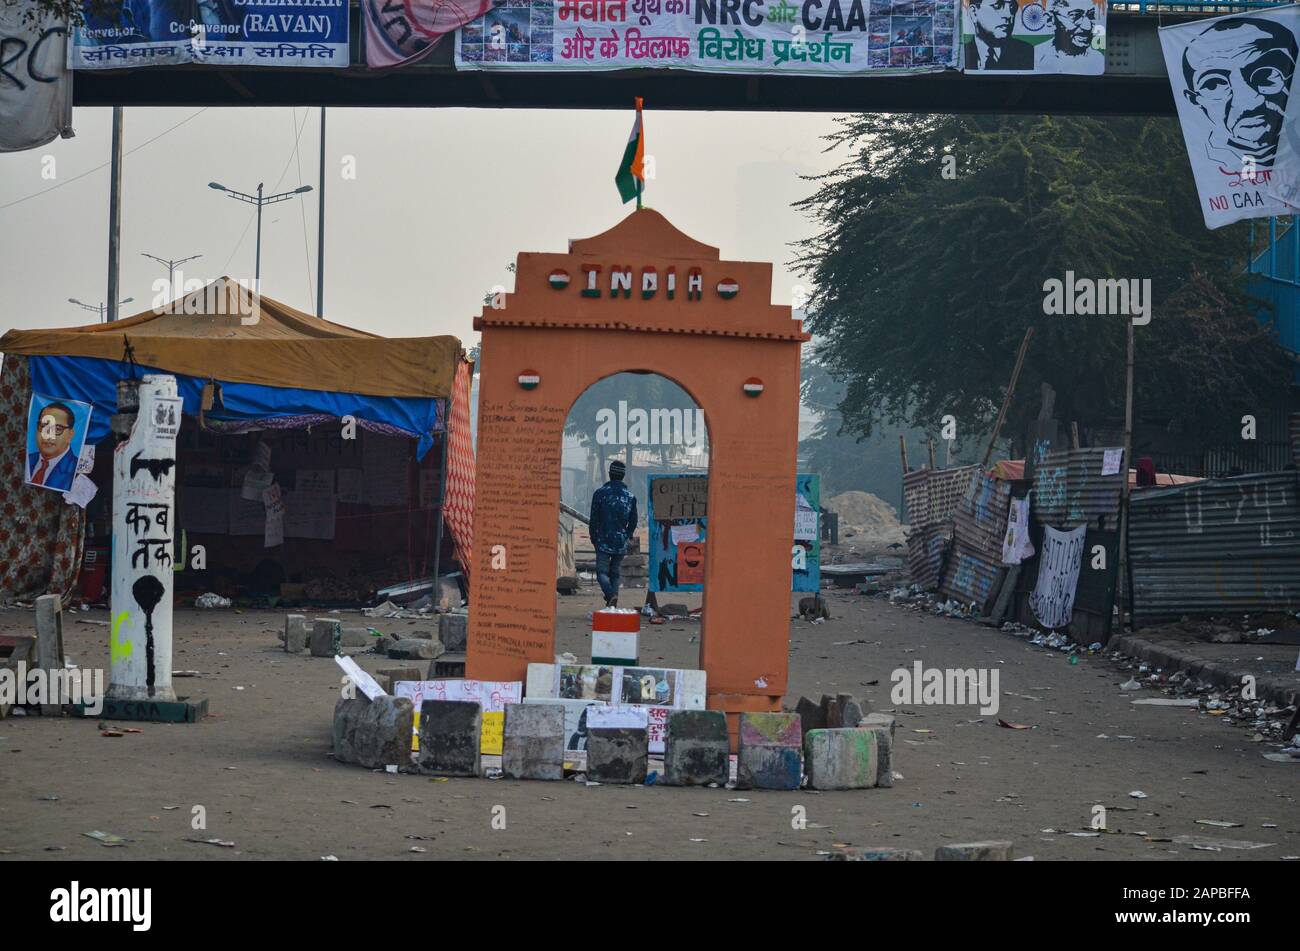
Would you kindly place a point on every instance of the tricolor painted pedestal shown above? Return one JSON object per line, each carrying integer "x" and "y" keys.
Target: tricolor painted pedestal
{"x": 614, "y": 636}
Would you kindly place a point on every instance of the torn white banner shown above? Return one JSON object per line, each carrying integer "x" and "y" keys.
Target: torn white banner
{"x": 1058, "y": 576}
{"x": 35, "y": 85}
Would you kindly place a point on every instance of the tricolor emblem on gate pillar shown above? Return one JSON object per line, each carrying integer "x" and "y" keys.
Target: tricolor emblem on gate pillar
{"x": 529, "y": 379}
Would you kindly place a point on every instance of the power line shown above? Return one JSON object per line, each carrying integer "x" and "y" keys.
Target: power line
{"x": 225, "y": 268}
{"x": 46, "y": 191}
{"x": 302, "y": 208}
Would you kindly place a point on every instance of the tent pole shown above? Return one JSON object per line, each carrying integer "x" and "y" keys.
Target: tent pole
{"x": 442, "y": 497}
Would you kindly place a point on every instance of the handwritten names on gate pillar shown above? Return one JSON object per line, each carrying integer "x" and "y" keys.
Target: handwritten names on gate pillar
{"x": 745, "y": 646}
{"x": 516, "y": 511}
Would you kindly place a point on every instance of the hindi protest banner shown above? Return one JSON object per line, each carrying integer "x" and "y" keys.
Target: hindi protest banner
{"x": 1034, "y": 36}
{"x": 1058, "y": 576}
{"x": 1231, "y": 78}
{"x": 297, "y": 33}
{"x": 792, "y": 37}
{"x": 35, "y": 86}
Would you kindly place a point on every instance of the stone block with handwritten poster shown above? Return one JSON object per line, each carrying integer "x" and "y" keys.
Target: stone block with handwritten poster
{"x": 534, "y": 742}
{"x": 449, "y": 737}
{"x": 492, "y": 696}
{"x": 575, "y": 727}
{"x": 617, "y": 744}
{"x": 657, "y": 688}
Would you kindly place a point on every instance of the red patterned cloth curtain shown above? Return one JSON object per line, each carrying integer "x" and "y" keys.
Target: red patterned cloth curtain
{"x": 41, "y": 536}
{"x": 459, "y": 501}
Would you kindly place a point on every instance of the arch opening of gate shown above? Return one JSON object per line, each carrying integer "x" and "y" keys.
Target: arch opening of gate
{"x": 640, "y": 297}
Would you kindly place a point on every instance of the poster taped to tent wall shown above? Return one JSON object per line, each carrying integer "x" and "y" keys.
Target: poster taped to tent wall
{"x": 56, "y": 434}
{"x": 1034, "y": 36}
{"x": 1231, "y": 78}
{"x": 1058, "y": 576}
{"x": 35, "y": 85}
{"x": 296, "y": 33}
{"x": 781, "y": 37}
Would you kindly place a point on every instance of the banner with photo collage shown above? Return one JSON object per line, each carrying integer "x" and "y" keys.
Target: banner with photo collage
{"x": 791, "y": 37}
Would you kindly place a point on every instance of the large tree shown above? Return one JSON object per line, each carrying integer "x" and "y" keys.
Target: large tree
{"x": 938, "y": 233}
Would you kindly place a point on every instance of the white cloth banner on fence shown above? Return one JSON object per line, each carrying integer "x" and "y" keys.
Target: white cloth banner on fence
{"x": 35, "y": 85}
{"x": 1058, "y": 576}
{"x": 1231, "y": 79}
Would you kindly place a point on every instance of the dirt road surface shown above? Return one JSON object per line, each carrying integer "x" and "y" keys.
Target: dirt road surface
{"x": 260, "y": 766}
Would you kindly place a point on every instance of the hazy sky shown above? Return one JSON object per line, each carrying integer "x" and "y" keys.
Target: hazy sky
{"x": 442, "y": 201}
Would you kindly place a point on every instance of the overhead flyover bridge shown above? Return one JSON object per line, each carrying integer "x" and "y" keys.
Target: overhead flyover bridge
{"x": 1134, "y": 82}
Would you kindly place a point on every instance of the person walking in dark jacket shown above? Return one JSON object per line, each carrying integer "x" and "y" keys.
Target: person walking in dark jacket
{"x": 613, "y": 520}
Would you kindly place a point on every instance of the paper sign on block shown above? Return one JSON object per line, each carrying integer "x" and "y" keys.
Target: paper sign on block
{"x": 363, "y": 680}
{"x": 492, "y": 697}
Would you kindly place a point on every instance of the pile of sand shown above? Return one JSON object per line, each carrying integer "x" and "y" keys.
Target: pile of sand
{"x": 867, "y": 517}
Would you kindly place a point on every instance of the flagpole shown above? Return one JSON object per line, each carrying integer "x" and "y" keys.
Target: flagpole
{"x": 639, "y": 185}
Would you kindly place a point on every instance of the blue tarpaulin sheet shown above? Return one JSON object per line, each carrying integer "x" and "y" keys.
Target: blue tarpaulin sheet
{"x": 95, "y": 381}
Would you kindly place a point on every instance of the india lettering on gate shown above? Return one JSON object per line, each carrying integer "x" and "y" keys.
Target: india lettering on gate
{"x": 618, "y": 281}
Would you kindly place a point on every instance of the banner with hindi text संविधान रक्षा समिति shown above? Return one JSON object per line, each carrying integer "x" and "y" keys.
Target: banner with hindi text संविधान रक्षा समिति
{"x": 1034, "y": 37}
{"x": 792, "y": 37}
{"x": 1231, "y": 79}
{"x": 135, "y": 33}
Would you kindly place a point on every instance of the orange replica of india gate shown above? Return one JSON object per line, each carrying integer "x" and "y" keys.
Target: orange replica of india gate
{"x": 642, "y": 296}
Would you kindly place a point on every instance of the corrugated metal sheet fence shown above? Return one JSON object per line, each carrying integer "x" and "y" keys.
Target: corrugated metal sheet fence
{"x": 1070, "y": 490}
{"x": 931, "y": 497}
{"x": 1222, "y": 546}
{"x": 971, "y": 571}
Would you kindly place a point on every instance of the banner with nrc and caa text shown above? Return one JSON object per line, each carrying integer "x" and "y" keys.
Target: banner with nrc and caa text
{"x": 793, "y": 37}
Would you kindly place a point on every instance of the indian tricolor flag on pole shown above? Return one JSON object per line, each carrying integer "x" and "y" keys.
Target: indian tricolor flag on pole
{"x": 631, "y": 171}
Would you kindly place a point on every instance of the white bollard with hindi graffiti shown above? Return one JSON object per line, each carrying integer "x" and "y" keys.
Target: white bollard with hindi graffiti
{"x": 144, "y": 485}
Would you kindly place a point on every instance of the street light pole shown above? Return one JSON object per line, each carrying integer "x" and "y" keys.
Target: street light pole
{"x": 114, "y": 211}
{"x": 320, "y": 236}
{"x": 98, "y": 308}
{"x": 170, "y": 265}
{"x": 259, "y": 200}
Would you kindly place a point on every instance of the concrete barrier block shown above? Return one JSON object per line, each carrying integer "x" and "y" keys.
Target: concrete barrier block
{"x": 449, "y": 737}
{"x": 373, "y": 733}
{"x": 843, "y": 758}
{"x": 533, "y": 743}
{"x": 975, "y": 852}
{"x": 326, "y": 637}
{"x": 769, "y": 751}
{"x": 696, "y": 748}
